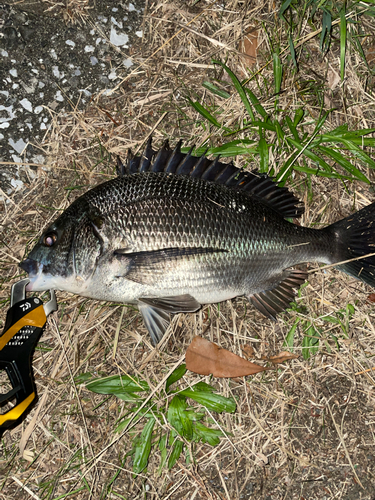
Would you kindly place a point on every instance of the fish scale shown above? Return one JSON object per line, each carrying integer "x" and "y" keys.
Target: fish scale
{"x": 175, "y": 231}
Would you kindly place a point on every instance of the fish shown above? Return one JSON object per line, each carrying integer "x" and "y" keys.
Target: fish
{"x": 173, "y": 231}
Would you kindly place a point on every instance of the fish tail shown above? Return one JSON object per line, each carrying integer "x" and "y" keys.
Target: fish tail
{"x": 355, "y": 238}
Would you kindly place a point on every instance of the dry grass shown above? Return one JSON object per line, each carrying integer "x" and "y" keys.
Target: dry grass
{"x": 305, "y": 430}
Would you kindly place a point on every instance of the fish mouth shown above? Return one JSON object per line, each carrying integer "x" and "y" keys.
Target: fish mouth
{"x": 34, "y": 270}
{"x": 30, "y": 266}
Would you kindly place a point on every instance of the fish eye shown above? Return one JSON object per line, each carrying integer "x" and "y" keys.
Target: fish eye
{"x": 49, "y": 239}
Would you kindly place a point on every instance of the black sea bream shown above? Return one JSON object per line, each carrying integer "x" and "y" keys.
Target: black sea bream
{"x": 174, "y": 231}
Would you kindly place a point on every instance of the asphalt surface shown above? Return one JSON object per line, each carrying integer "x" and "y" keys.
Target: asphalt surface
{"x": 48, "y": 64}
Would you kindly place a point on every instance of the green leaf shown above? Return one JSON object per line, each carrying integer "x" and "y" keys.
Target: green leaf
{"x": 122, "y": 425}
{"x": 194, "y": 416}
{"x": 177, "y": 374}
{"x": 331, "y": 319}
{"x": 238, "y": 87}
{"x": 206, "y": 435}
{"x": 163, "y": 452}
{"x": 310, "y": 342}
{"x": 343, "y": 35}
{"x": 82, "y": 377}
{"x": 176, "y": 406}
{"x": 119, "y": 385}
{"x": 215, "y": 90}
{"x": 178, "y": 418}
{"x": 176, "y": 452}
{"x": 143, "y": 447}
{"x": 289, "y": 339}
{"x": 213, "y": 402}
{"x": 203, "y": 387}
{"x": 299, "y": 114}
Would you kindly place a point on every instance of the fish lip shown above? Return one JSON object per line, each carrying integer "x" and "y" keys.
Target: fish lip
{"x": 33, "y": 269}
{"x": 31, "y": 266}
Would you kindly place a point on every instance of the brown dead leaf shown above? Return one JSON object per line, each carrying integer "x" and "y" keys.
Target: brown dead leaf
{"x": 333, "y": 79}
{"x": 371, "y": 297}
{"x": 207, "y": 358}
{"x": 281, "y": 357}
{"x": 248, "y": 351}
{"x": 249, "y": 46}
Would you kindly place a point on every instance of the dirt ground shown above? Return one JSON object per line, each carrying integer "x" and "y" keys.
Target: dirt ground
{"x": 303, "y": 430}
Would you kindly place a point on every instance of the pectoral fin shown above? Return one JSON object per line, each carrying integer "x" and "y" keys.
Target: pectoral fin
{"x": 148, "y": 267}
{"x": 156, "y": 311}
{"x": 156, "y": 321}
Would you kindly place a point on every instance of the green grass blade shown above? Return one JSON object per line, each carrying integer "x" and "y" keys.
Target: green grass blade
{"x": 344, "y": 163}
{"x": 143, "y": 447}
{"x": 255, "y": 102}
{"x": 266, "y": 125}
{"x": 292, "y": 50}
{"x": 238, "y": 87}
{"x": 321, "y": 122}
{"x": 277, "y": 72}
{"x": 321, "y": 173}
{"x": 357, "y": 137}
{"x": 233, "y": 148}
{"x": 359, "y": 153}
{"x": 284, "y": 6}
{"x": 215, "y": 90}
{"x": 292, "y": 128}
{"x": 264, "y": 156}
{"x": 206, "y": 114}
{"x": 325, "y": 37}
{"x": 279, "y": 132}
{"x": 343, "y": 35}
{"x": 307, "y": 152}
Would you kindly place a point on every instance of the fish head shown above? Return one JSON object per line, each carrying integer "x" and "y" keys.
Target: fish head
{"x": 66, "y": 254}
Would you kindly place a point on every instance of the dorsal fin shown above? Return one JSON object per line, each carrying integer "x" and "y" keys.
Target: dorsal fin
{"x": 253, "y": 183}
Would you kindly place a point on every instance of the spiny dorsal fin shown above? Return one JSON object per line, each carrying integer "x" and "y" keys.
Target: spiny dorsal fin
{"x": 175, "y": 162}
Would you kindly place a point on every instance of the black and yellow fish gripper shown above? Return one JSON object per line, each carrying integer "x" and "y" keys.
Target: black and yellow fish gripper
{"x": 24, "y": 325}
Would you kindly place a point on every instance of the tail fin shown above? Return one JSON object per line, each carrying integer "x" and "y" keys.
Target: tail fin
{"x": 355, "y": 237}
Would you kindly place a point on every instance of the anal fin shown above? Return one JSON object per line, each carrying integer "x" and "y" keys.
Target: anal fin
{"x": 271, "y": 302}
